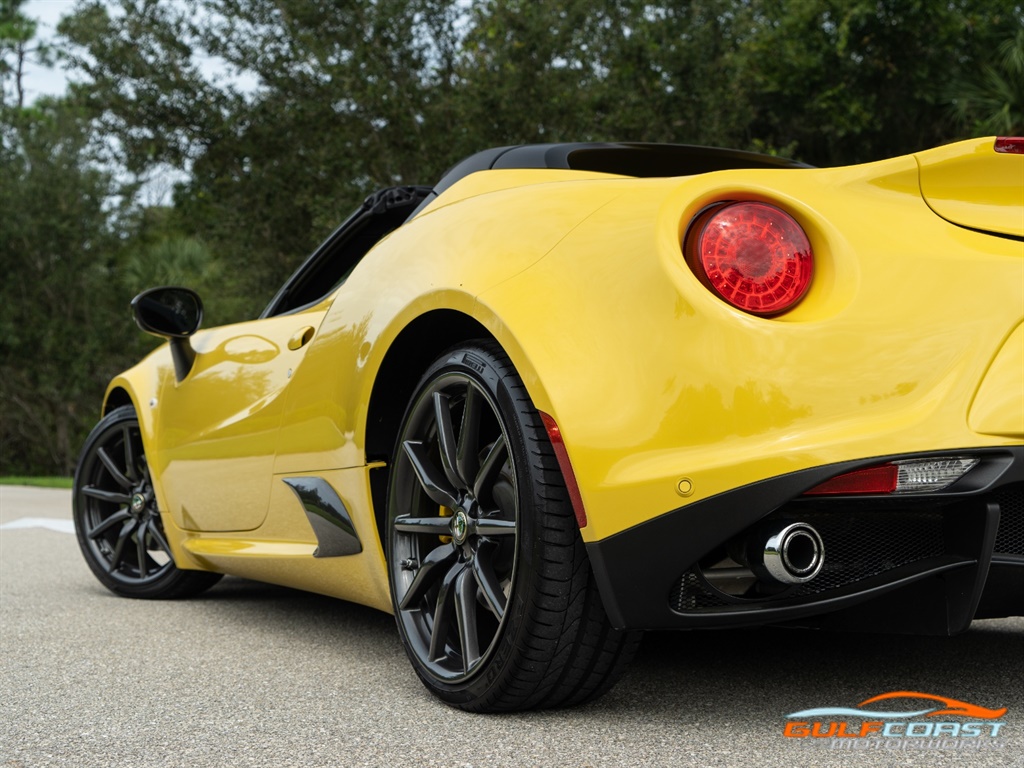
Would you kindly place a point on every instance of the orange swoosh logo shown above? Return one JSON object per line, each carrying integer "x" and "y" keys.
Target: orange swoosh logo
{"x": 952, "y": 706}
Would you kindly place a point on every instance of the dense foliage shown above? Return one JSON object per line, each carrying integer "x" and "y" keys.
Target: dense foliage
{"x": 278, "y": 116}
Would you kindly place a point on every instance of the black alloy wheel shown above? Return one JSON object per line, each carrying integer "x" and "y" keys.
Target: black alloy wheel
{"x": 117, "y": 520}
{"x": 490, "y": 584}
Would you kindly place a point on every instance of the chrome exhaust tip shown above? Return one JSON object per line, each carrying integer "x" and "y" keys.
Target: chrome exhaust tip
{"x": 794, "y": 554}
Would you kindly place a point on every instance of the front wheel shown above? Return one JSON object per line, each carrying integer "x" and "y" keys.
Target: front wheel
{"x": 116, "y": 517}
{"x": 492, "y": 591}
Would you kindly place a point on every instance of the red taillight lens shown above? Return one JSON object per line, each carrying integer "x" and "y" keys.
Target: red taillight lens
{"x": 753, "y": 255}
{"x": 872, "y": 480}
{"x": 1011, "y": 145}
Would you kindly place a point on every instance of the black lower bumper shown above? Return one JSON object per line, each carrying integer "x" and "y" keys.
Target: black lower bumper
{"x": 920, "y": 563}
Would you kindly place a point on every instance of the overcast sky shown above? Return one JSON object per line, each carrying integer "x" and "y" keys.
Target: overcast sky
{"x": 40, "y": 81}
{"x": 44, "y": 81}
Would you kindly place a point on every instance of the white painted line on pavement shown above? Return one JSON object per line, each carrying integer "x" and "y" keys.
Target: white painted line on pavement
{"x": 50, "y": 523}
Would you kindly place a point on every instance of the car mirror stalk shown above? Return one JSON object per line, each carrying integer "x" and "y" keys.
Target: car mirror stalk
{"x": 183, "y": 356}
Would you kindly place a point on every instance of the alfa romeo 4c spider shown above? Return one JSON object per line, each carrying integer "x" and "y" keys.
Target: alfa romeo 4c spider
{"x": 571, "y": 392}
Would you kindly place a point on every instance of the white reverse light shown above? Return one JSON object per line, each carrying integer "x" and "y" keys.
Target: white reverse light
{"x": 923, "y": 475}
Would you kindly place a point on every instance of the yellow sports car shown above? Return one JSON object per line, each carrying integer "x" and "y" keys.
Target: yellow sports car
{"x": 574, "y": 391}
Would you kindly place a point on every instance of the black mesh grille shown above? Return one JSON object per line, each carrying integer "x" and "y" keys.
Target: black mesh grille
{"x": 1010, "y": 537}
{"x": 866, "y": 545}
{"x": 691, "y": 593}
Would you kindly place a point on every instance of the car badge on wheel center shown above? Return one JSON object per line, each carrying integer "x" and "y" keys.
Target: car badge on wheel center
{"x": 460, "y": 527}
{"x": 138, "y": 503}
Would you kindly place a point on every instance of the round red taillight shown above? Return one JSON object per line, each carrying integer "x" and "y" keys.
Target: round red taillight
{"x": 753, "y": 255}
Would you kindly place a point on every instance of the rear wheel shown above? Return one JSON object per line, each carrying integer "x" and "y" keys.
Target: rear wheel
{"x": 491, "y": 587}
{"x": 117, "y": 520}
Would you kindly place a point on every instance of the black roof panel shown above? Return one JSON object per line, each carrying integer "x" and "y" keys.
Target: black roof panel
{"x": 620, "y": 158}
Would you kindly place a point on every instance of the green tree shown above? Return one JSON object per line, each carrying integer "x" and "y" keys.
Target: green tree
{"x": 602, "y": 70}
{"x": 844, "y": 81}
{"x": 63, "y": 326}
{"x": 672, "y": 73}
{"x": 991, "y": 100}
{"x": 17, "y": 48}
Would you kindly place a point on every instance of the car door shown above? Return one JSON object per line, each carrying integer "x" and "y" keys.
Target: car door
{"x": 219, "y": 425}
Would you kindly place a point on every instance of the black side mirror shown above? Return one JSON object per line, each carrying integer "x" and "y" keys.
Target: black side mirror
{"x": 174, "y": 314}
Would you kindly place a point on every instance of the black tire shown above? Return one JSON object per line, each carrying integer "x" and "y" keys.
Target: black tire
{"x": 117, "y": 521}
{"x": 490, "y": 583}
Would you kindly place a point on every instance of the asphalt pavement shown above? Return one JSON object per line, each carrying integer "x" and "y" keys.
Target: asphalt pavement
{"x": 257, "y": 675}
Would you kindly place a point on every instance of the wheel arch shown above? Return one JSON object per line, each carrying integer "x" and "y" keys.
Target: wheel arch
{"x": 117, "y": 397}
